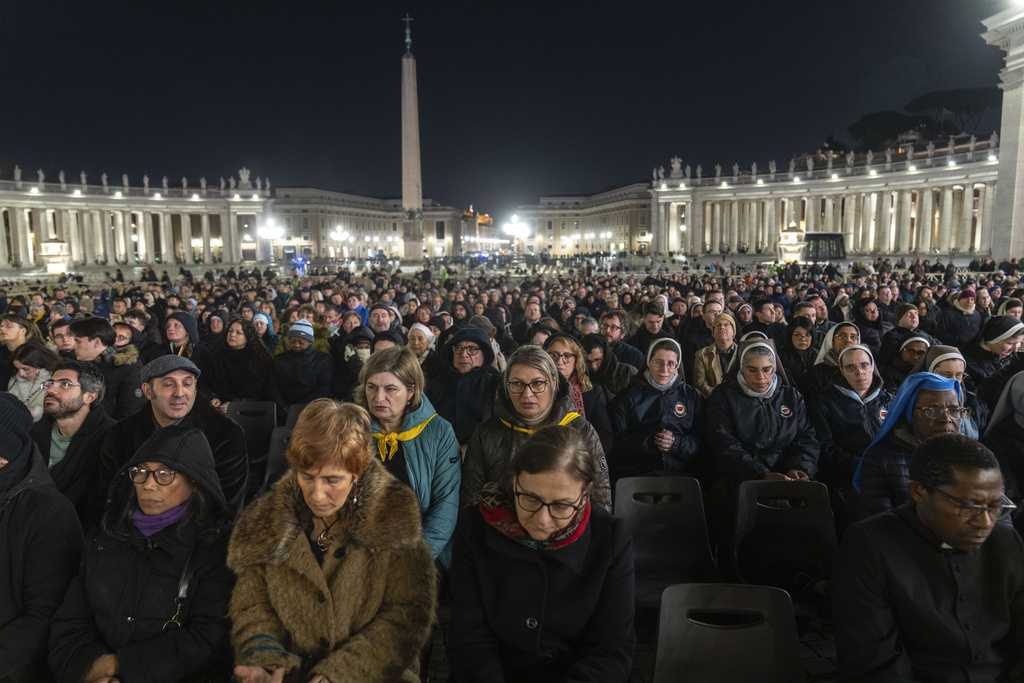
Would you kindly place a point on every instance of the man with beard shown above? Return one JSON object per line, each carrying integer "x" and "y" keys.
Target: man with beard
{"x": 68, "y": 436}
{"x": 169, "y": 384}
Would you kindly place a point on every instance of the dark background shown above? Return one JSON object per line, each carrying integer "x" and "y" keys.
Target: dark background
{"x": 515, "y": 101}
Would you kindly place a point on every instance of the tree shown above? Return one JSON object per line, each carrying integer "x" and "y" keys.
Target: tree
{"x": 964, "y": 107}
{"x": 881, "y": 128}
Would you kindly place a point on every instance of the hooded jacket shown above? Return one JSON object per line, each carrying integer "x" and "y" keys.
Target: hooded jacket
{"x": 39, "y": 555}
{"x": 496, "y": 440}
{"x": 122, "y": 394}
{"x": 367, "y": 620}
{"x": 956, "y": 327}
{"x": 466, "y": 400}
{"x": 303, "y": 376}
{"x": 126, "y": 590}
{"x": 614, "y": 375}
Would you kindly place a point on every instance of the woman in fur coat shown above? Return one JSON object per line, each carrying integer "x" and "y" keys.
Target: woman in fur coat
{"x": 335, "y": 582}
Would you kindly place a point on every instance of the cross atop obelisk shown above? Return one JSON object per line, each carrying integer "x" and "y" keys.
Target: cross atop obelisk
{"x": 408, "y": 32}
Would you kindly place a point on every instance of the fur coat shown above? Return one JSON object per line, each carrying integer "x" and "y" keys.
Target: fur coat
{"x": 369, "y": 620}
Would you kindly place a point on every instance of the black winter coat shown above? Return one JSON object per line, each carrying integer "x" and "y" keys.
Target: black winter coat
{"x": 844, "y": 427}
{"x": 885, "y": 474}
{"x": 521, "y": 615}
{"x": 629, "y": 354}
{"x": 982, "y": 365}
{"x": 958, "y": 329}
{"x": 465, "y": 400}
{"x": 642, "y": 339}
{"x": 749, "y": 437}
{"x": 1006, "y": 440}
{"x": 77, "y": 475}
{"x": 303, "y": 376}
{"x": 40, "y": 546}
{"x": 224, "y": 435}
{"x": 122, "y": 394}
{"x": 239, "y": 375}
{"x": 643, "y": 410}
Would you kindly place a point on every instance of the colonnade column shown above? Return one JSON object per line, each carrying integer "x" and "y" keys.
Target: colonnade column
{"x": 207, "y": 249}
{"x": 226, "y": 236}
{"x": 904, "y": 222}
{"x": 925, "y": 221}
{"x": 5, "y": 255}
{"x": 946, "y": 219}
{"x": 829, "y": 224}
{"x": 848, "y": 215}
{"x": 186, "y": 239}
{"x": 985, "y": 224}
{"x": 963, "y": 240}
{"x": 772, "y": 225}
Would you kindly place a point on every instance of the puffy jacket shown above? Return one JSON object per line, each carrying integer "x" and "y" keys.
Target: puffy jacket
{"x": 750, "y": 437}
{"x": 40, "y": 547}
{"x": 629, "y": 354}
{"x": 303, "y": 376}
{"x": 465, "y": 400}
{"x": 496, "y": 440}
{"x": 122, "y": 394}
{"x": 434, "y": 468}
{"x": 845, "y": 424}
{"x": 643, "y": 410}
{"x": 126, "y": 590}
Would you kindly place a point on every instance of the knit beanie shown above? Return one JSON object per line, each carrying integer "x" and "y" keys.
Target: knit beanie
{"x": 902, "y": 310}
{"x": 1000, "y": 328}
{"x": 302, "y": 329}
{"x": 188, "y": 322}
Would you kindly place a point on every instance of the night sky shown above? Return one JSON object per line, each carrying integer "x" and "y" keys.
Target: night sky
{"x": 515, "y": 101}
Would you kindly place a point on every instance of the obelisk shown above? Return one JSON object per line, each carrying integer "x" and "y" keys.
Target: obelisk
{"x": 412, "y": 183}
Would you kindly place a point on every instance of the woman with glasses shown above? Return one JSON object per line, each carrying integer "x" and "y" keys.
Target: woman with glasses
{"x": 533, "y": 394}
{"x": 1005, "y": 436}
{"x": 542, "y": 579}
{"x": 464, "y": 388}
{"x": 656, "y": 420}
{"x": 589, "y": 400}
{"x": 926, "y": 405}
{"x": 150, "y": 600}
{"x": 950, "y": 363}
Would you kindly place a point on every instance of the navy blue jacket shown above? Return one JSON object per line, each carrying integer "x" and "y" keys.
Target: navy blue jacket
{"x": 642, "y": 410}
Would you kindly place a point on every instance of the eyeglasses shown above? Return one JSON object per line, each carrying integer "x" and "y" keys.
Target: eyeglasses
{"x": 466, "y": 350}
{"x": 970, "y": 511}
{"x": 939, "y": 412}
{"x": 64, "y": 384}
{"x": 666, "y": 364}
{"x": 559, "y": 357}
{"x": 608, "y": 326}
{"x": 139, "y": 475}
{"x": 532, "y": 504}
{"x": 537, "y": 386}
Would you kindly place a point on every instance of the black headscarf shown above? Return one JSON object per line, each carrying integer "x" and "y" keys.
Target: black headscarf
{"x": 15, "y": 441}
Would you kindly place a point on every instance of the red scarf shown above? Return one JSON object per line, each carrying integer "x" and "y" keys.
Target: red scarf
{"x": 503, "y": 519}
{"x": 576, "y": 391}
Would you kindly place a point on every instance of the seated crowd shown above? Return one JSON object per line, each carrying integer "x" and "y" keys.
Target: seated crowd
{"x": 461, "y": 442}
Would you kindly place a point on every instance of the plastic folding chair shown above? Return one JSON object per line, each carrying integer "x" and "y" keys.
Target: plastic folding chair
{"x": 727, "y": 633}
{"x": 665, "y": 516}
{"x": 257, "y": 420}
{"x": 293, "y": 414}
{"x": 276, "y": 463}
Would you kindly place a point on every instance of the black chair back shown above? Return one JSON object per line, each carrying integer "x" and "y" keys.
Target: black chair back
{"x": 257, "y": 420}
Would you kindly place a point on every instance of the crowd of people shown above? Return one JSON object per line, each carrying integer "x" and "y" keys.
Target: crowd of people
{"x": 460, "y": 441}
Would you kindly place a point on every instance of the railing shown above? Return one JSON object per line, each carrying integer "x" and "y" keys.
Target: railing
{"x": 76, "y": 190}
{"x": 918, "y": 162}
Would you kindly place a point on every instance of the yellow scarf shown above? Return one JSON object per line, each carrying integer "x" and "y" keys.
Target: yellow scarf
{"x": 387, "y": 444}
{"x": 569, "y": 417}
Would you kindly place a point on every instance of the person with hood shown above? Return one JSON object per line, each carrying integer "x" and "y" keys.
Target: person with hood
{"x": 150, "y": 598}
{"x": 33, "y": 365}
{"x": 826, "y": 365}
{"x": 604, "y": 368}
{"x": 421, "y": 343}
{"x": 302, "y": 374}
{"x": 349, "y": 353}
{"x": 242, "y": 369}
{"x": 264, "y": 327}
{"x": 759, "y": 427}
{"x": 15, "y": 332}
{"x": 798, "y": 352}
{"x": 181, "y": 338}
{"x": 94, "y": 343}
{"x": 868, "y": 318}
{"x": 910, "y": 352}
{"x": 949, "y": 362}
{"x": 926, "y": 405}
{"x": 464, "y": 391}
{"x": 847, "y": 417}
{"x": 987, "y": 355}
{"x": 589, "y": 400}
{"x": 170, "y": 385}
{"x": 1011, "y": 306}
{"x": 959, "y": 323}
{"x": 711, "y": 361}
{"x": 40, "y": 548}
{"x": 335, "y": 582}
{"x": 656, "y": 421}
{"x": 1005, "y": 436}
{"x": 415, "y": 444}
{"x": 841, "y": 310}
{"x": 537, "y": 552}
{"x": 533, "y": 394}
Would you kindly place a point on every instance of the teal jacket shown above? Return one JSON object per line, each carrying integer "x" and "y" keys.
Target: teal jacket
{"x": 435, "y": 473}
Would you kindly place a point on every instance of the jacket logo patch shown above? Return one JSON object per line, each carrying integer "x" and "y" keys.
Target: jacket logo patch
{"x": 786, "y": 411}
{"x": 882, "y": 414}
{"x": 680, "y": 409}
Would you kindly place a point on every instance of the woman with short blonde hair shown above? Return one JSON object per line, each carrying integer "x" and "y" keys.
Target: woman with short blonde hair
{"x": 334, "y": 582}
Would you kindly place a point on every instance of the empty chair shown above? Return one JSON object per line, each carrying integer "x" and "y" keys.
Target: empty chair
{"x": 785, "y": 533}
{"x": 277, "y": 465}
{"x": 257, "y": 420}
{"x": 727, "y": 633}
{"x": 665, "y": 515}
{"x": 293, "y": 414}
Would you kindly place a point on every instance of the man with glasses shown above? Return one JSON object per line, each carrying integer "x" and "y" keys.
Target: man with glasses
{"x": 934, "y": 589}
{"x": 63, "y": 340}
{"x": 69, "y": 435}
{"x": 463, "y": 392}
{"x": 613, "y": 327}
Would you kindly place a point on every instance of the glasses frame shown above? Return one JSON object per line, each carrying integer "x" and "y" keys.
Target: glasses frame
{"x": 961, "y": 411}
{"x": 522, "y": 390}
{"x": 463, "y": 351}
{"x": 132, "y": 471}
{"x": 969, "y": 511}
{"x": 64, "y": 384}
{"x": 520, "y": 495}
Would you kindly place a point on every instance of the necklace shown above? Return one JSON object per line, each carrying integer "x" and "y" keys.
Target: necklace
{"x": 323, "y": 540}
